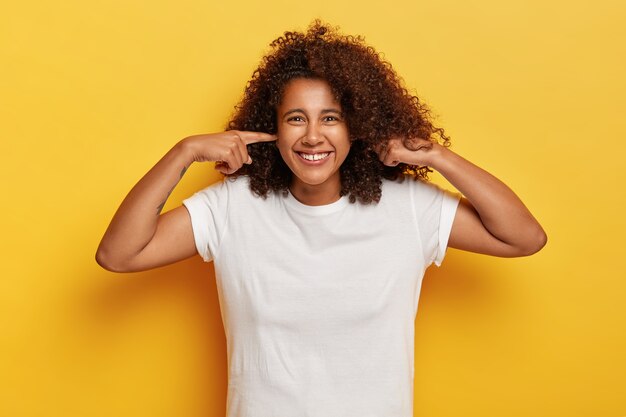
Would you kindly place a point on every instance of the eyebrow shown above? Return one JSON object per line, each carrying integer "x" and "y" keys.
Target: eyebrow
{"x": 324, "y": 111}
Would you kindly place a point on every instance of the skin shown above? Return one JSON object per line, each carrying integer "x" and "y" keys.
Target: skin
{"x": 139, "y": 237}
{"x": 490, "y": 219}
{"x": 310, "y": 122}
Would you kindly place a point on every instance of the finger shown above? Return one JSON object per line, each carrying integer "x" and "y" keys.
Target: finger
{"x": 378, "y": 148}
{"x": 390, "y": 156}
{"x": 415, "y": 144}
{"x": 243, "y": 150}
{"x": 222, "y": 167}
{"x": 254, "y": 137}
{"x": 383, "y": 155}
{"x": 410, "y": 143}
{"x": 232, "y": 156}
{"x": 381, "y": 150}
{"x": 391, "y": 159}
{"x": 227, "y": 168}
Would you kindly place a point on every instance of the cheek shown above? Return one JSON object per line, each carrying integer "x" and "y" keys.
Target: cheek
{"x": 286, "y": 139}
{"x": 283, "y": 148}
{"x": 343, "y": 146}
{"x": 343, "y": 155}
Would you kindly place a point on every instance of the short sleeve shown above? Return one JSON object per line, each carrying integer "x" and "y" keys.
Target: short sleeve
{"x": 435, "y": 209}
{"x": 208, "y": 210}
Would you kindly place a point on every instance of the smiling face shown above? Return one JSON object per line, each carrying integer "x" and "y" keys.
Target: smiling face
{"x": 313, "y": 140}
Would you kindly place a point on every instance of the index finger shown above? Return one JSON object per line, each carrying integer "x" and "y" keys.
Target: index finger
{"x": 254, "y": 137}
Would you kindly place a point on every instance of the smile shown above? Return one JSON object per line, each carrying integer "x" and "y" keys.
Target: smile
{"x": 313, "y": 156}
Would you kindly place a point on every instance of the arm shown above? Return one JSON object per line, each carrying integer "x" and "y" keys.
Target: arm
{"x": 139, "y": 236}
{"x": 490, "y": 219}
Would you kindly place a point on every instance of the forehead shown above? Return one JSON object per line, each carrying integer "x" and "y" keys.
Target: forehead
{"x": 307, "y": 92}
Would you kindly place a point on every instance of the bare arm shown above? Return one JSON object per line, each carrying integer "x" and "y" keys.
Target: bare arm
{"x": 139, "y": 237}
{"x": 490, "y": 219}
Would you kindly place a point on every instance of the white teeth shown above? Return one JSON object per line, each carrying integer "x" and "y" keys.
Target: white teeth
{"x": 315, "y": 156}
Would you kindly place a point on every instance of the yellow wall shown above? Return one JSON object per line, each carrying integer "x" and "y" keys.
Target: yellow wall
{"x": 93, "y": 93}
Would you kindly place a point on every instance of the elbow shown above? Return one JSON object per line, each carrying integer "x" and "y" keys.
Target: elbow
{"x": 105, "y": 259}
{"x": 535, "y": 243}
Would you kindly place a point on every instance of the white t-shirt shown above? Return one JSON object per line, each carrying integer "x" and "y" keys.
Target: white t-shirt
{"x": 319, "y": 302}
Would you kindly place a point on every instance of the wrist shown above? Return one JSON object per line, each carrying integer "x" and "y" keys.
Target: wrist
{"x": 186, "y": 149}
{"x": 436, "y": 156}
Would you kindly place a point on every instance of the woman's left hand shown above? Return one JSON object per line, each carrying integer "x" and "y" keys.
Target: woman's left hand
{"x": 411, "y": 151}
{"x": 490, "y": 218}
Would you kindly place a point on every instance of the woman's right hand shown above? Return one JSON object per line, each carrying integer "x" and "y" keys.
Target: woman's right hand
{"x": 139, "y": 237}
{"x": 227, "y": 149}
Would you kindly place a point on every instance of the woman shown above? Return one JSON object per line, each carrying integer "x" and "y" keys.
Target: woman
{"x": 319, "y": 242}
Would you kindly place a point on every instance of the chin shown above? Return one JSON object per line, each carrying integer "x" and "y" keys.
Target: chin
{"x": 311, "y": 181}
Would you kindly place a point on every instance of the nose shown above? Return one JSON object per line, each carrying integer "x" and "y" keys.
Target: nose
{"x": 313, "y": 135}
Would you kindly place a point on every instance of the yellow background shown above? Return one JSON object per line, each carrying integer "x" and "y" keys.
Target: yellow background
{"x": 94, "y": 93}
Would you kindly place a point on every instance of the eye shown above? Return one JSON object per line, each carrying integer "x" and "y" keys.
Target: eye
{"x": 295, "y": 119}
{"x": 331, "y": 119}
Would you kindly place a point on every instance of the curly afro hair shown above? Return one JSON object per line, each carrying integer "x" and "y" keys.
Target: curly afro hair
{"x": 375, "y": 103}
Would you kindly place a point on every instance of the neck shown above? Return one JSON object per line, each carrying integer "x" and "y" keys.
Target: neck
{"x": 316, "y": 195}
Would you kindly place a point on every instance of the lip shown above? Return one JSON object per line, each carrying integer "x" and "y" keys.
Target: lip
{"x": 313, "y": 163}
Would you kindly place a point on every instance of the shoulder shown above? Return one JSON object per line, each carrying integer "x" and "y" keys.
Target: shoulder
{"x": 408, "y": 185}
{"x": 237, "y": 184}
{"x": 227, "y": 185}
{"x": 220, "y": 193}
{"x": 417, "y": 193}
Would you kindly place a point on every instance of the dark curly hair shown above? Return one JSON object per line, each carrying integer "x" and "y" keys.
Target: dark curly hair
{"x": 375, "y": 103}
